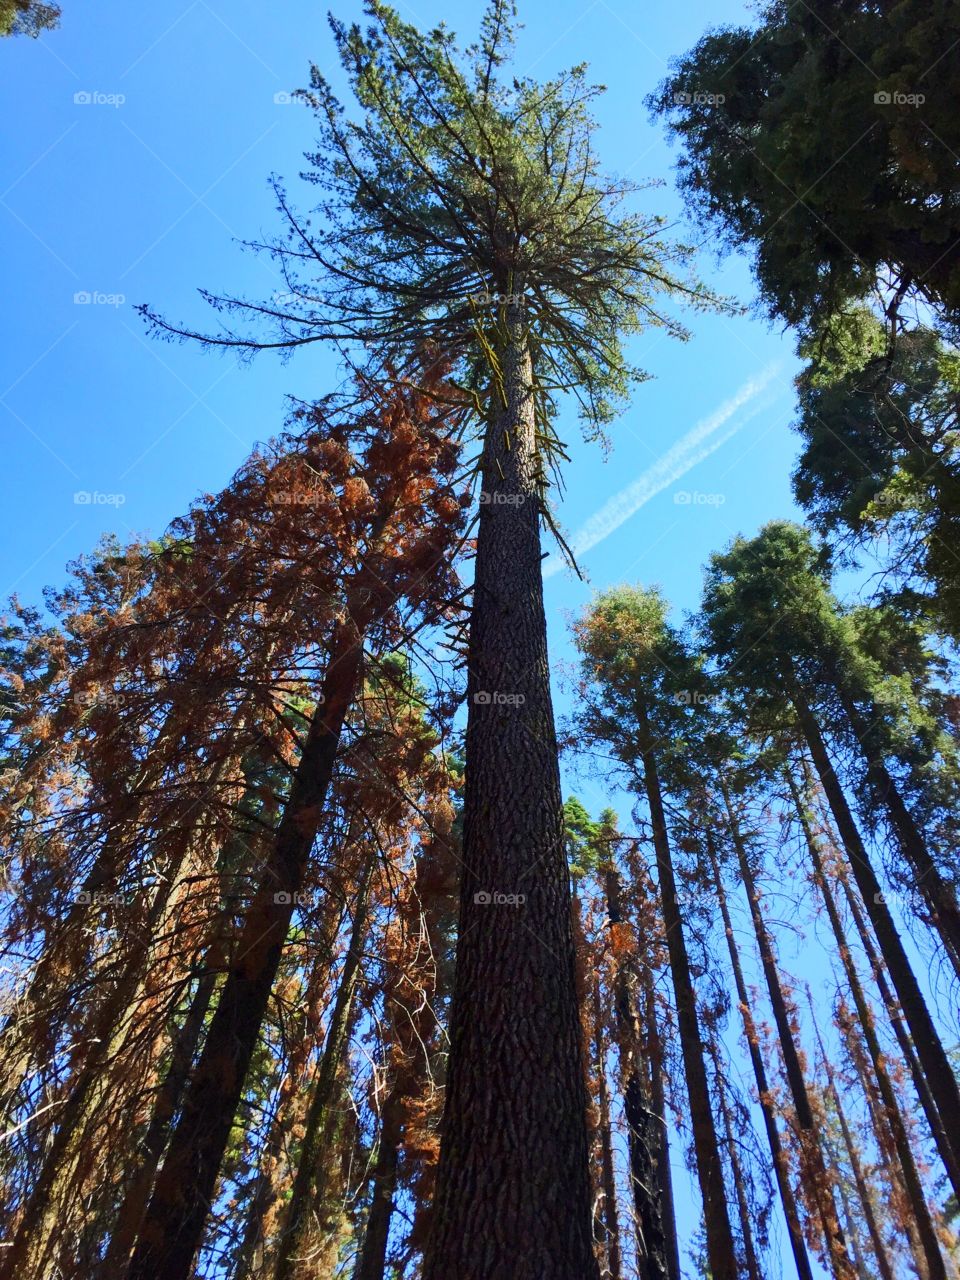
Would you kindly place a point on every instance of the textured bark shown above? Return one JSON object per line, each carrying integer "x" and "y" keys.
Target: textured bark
{"x": 922, "y": 1220}
{"x": 778, "y": 1155}
{"x": 721, "y": 1249}
{"x": 814, "y": 1175}
{"x": 513, "y": 1191}
{"x": 642, "y": 1124}
{"x": 173, "y": 1225}
{"x": 929, "y": 1047}
{"x": 938, "y": 895}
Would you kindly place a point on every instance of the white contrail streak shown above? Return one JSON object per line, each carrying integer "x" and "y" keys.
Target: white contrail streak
{"x": 693, "y": 448}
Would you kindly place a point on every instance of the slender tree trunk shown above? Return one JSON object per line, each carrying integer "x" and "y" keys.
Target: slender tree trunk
{"x": 815, "y": 1178}
{"x": 513, "y": 1189}
{"x": 778, "y": 1155}
{"x": 643, "y": 1137}
{"x": 939, "y": 896}
{"x": 933, "y": 1059}
{"x": 884, "y": 1085}
{"x": 739, "y": 1182}
{"x": 863, "y": 1193}
{"x": 175, "y": 1217}
{"x": 150, "y": 1150}
{"x": 658, "y": 1106}
{"x": 721, "y": 1249}
{"x": 309, "y": 1180}
{"x": 608, "y": 1181}
{"x": 372, "y": 1259}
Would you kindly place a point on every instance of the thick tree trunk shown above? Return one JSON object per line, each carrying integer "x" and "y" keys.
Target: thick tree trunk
{"x": 173, "y": 1225}
{"x": 721, "y": 1249}
{"x": 815, "y": 1179}
{"x": 643, "y": 1137}
{"x": 513, "y": 1192}
{"x": 938, "y": 895}
{"x": 884, "y": 1085}
{"x": 929, "y": 1047}
{"x": 778, "y": 1155}
{"x": 313, "y": 1164}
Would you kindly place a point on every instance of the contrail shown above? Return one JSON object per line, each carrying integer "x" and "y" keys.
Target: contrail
{"x": 694, "y": 447}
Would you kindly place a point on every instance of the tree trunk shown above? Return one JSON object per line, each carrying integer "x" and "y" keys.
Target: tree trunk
{"x": 658, "y": 1106}
{"x": 173, "y": 1226}
{"x": 884, "y": 1085}
{"x": 372, "y": 1259}
{"x": 938, "y": 895}
{"x": 309, "y": 1180}
{"x": 778, "y": 1155}
{"x": 814, "y": 1178}
{"x": 137, "y": 1193}
{"x": 643, "y": 1138}
{"x": 863, "y": 1193}
{"x": 720, "y": 1243}
{"x": 739, "y": 1182}
{"x": 933, "y": 1059}
{"x": 513, "y": 1190}
{"x": 608, "y": 1181}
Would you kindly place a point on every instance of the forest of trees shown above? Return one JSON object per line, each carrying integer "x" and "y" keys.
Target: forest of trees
{"x": 309, "y": 966}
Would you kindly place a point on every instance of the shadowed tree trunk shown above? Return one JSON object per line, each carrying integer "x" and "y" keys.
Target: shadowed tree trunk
{"x": 608, "y": 1181}
{"x": 658, "y": 1106}
{"x": 513, "y": 1186}
{"x": 743, "y": 1204}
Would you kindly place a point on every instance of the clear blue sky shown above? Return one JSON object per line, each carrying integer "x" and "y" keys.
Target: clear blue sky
{"x": 139, "y": 195}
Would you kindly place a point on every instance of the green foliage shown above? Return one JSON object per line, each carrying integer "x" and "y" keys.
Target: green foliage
{"x": 27, "y": 18}
{"x": 881, "y": 455}
{"x": 804, "y": 142}
{"x": 456, "y": 196}
{"x": 578, "y": 834}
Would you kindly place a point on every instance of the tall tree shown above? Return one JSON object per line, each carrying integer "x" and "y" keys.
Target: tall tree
{"x": 637, "y": 680}
{"x": 472, "y": 215}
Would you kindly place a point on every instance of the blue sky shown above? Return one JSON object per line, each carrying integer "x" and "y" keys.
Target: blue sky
{"x": 137, "y": 191}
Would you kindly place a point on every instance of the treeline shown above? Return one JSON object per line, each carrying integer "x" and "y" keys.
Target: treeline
{"x": 307, "y": 974}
